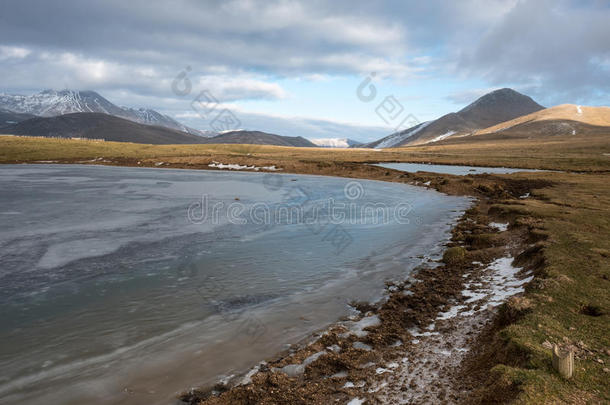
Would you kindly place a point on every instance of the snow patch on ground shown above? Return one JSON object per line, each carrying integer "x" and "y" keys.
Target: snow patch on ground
{"x": 362, "y": 346}
{"x": 452, "y": 313}
{"x": 415, "y": 332}
{"x": 356, "y": 401}
{"x": 340, "y": 374}
{"x": 440, "y": 353}
{"x": 248, "y": 377}
{"x": 499, "y": 226}
{"x": 357, "y": 328}
{"x": 235, "y": 166}
{"x": 293, "y": 370}
{"x": 499, "y": 284}
{"x": 504, "y": 280}
{"x": 334, "y": 348}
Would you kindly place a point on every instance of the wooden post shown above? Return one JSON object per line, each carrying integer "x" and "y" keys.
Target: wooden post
{"x": 563, "y": 361}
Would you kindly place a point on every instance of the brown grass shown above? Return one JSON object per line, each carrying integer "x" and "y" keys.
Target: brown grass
{"x": 587, "y": 154}
{"x": 599, "y": 116}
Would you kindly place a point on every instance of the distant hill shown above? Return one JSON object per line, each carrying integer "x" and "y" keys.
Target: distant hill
{"x": 8, "y": 117}
{"x": 490, "y": 109}
{"x": 564, "y": 123}
{"x": 100, "y": 126}
{"x": 335, "y": 142}
{"x": 111, "y": 128}
{"x": 259, "y": 138}
{"x": 561, "y": 119}
{"x": 51, "y": 103}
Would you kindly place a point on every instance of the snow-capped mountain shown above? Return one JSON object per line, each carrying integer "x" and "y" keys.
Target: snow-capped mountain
{"x": 51, "y": 103}
{"x": 152, "y": 117}
{"x": 335, "y": 142}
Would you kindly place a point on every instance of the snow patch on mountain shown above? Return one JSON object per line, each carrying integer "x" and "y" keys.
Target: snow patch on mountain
{"x": 399, "y": 137}
{"x": 335, "y": 142}
{"x": 51, "y": 103}
{"x": 441, "y": 137}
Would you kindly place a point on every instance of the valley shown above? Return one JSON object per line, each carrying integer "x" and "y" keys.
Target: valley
{"x": 530, "y": 203}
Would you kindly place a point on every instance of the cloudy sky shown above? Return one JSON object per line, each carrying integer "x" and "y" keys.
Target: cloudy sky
{"x": 310, "y": 68}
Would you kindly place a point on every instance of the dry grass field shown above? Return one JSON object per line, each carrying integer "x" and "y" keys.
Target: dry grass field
{"x": 597, "y": 116}
{"x": 582, "y": 154}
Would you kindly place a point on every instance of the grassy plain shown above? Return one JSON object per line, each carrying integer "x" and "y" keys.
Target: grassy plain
{"x": 586, "y": 154}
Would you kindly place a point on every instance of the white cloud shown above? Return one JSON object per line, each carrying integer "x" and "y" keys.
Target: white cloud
{"x": 231, "y": 88}
{"x": 239, "y": 48}
{"x": 76, "y": 71}
{"x": 555, "y": 44}
{"x": 13, "y": 52}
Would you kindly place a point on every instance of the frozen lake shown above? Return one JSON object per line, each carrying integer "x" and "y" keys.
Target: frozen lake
{"x": 129, "y": 285}
{"x": 450, "y": 169}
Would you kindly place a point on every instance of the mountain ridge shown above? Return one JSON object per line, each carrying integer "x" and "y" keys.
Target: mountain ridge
{"x": 112, "y": 128}
{"x": 8, "y": 117}
{"x": 92, "y": 125}
{"x": 50, "y": 103}
{"x": 259, "y": 138}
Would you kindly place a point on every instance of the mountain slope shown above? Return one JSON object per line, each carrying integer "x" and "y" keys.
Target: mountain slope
{"x": 8, "y": 117}
{"x": 100, "y": 126}
{"x": 50, "y": 103}
{"x": 397, "y": 138}
{"x": 490, "y": 109}
{"x": 498, "y": 106}
{"x": 554, "y": 116}
{"x": 259, "y": 138}
{"x": 570, "y": 125}
{"x": 335, "y": 142}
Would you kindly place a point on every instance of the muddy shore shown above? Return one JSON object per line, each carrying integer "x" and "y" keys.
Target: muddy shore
{"x": 413, "y": 352}
{"x": 429, "y": 340}
{"x": 416, "y": 350}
